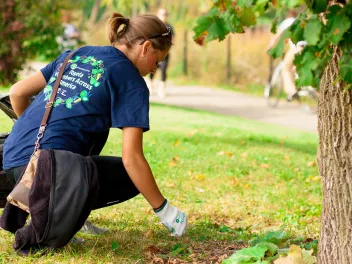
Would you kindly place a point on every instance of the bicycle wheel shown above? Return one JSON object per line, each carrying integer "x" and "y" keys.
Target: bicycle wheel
{"x": 313, "y": 94}
{"x": 273, "y": 89}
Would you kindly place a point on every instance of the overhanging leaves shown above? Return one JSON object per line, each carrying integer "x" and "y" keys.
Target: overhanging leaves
{"x": 346, "y": 67}
{"x": 232, "y": 16}
{"x": 337, "y": 26}
{"x": 312, "y": 31}
{"x": 278, "y": 50}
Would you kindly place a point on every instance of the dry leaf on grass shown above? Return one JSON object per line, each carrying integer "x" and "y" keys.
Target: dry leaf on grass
{"x": 149, "y": 234}
{"x": 199, "y": 189}
{"x": 192, "y": 132}
{"x": 265, "y": 166}
{"x": 311, "y": 164}
{"x": 284, "y": 260}
{"x": 176, "y": 143}
{"x": 174, "y": 161}
{"x": 170, "y": 184}
{"x": 295, "y": 256}
{"x": 198, "y": 177}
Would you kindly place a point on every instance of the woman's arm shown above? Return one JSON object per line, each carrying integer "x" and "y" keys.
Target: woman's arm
{"x": 22, "y": 91}
{"x": 137, "y": 166}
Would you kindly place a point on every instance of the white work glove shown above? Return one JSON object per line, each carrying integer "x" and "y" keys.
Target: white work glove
{"x": 171, "y": 217}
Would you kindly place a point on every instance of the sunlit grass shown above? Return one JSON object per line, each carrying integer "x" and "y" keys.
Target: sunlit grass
{"x": 247, "y": 176}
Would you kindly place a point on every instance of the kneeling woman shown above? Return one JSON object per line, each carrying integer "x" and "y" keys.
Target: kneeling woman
{"x": 102, "y": 88}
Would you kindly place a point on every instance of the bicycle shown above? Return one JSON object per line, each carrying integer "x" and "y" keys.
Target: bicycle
{"x": 274, "y": 91}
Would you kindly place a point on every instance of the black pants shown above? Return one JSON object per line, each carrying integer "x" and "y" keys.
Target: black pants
{"x": 115, "y": 184}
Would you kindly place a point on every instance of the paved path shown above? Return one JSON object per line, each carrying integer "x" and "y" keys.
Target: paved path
{"x": 237, "y": 104}
{"x": 230, "y": 103}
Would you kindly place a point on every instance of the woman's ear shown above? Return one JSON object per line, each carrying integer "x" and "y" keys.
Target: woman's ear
{"x": 147, "y": 47}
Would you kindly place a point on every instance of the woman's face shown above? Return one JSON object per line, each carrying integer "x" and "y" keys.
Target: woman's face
{"x": 149, "y": 61}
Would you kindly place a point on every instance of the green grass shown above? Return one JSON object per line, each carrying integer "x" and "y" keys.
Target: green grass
{"x": 234, "y": 177}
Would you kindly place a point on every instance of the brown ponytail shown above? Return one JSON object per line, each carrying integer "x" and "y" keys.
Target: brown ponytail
{"x": 137, "y": 29}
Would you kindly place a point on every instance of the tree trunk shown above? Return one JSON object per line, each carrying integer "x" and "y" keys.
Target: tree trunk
{"x": 335, "y": 166}
{"x": 94, "y": 13}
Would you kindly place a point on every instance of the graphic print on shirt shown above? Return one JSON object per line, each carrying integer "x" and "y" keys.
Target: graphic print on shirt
{"x": 85, "y": 74}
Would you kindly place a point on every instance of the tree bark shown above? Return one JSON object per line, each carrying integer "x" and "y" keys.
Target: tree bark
{"x": 335, "y": 166}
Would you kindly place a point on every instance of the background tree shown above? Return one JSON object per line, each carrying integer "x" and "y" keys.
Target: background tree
{"x": 326, "y": 63}
{"x": 27, "y": 29}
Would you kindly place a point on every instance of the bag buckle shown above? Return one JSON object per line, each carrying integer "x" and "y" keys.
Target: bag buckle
{"x": 39, "y": 136}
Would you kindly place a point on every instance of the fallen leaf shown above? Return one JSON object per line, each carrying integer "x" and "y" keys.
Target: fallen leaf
{"x": 228, "y": 153}
{"x": 153, "y": 249}
{"x": 244, "y": 155}
{"x": 295, "y": 253}
{"x": 174, "y": 161}
{"x": 265, "y": 166}
{"x": 115, "y": 246}
{"x": 199, "y": 189}
{"x": 176, "y": 143}
{"x": 149, "y": 234}
{"x": 170, "y": 184}
{"x": 236, "y": 182}
{"x": 284, "y": 260}
{"x": 308, "y": 257}
{"x": 192, "y": 132}
{"x": 286, "y": 157}
{"x": 311, "y": 164}
{"x": 198, "y": 177}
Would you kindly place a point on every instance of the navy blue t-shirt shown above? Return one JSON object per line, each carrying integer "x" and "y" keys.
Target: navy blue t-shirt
{"x": 100, "y": 88}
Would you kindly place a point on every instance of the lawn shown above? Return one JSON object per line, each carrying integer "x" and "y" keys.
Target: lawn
{"x": 235, "y": 178}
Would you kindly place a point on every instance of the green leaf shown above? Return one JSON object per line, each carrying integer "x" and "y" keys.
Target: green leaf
{"x": 337, "y": 26}
{"x": 114, "y": 245}
{"x": 333, "y": 11}
{"x": 345, "y": 64}
{"x": 275, "y": 237}
{"x": 309, "y": 58}
{"x": 319, "y": 6}
{"x": 217, "y": 30}
{"x": 247, "y": 254}
{"x": 278, "y": 50}
{"x": 305, "y": 76}
{"x": 312, "y": 31}
{"x": 261, "y": 6}
{"x": 308, "y": 258}
{"x": 297, "y": 29}
{"x": 273, "y": 28}
{"x": 271, "y": 248}
{"x": 203, "y": 23}
{"x": 248, "y": 17}
{"x": 232, "y": 21}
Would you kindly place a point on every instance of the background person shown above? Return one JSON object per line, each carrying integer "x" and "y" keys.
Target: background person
{"x": 162, "y": 15}
{"x": 70, "y": 37}
{"x": 288, "y": 70}
{"x": 102, "y": 87}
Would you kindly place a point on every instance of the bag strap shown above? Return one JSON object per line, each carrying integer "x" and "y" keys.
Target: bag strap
{"x": 49, "y": 105}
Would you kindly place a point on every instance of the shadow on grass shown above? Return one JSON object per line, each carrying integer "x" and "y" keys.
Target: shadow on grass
{"x": 257, "y": 140}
